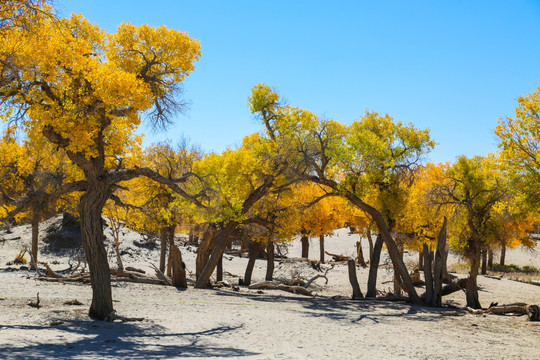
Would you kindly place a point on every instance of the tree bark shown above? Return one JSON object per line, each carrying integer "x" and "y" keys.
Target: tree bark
{"x": 428, "y": 276}
{"x": 90, "y": 208}
{"x": 357, "y": 293}
{"x": 360, "y": 254}
{"x": 472, "y": 284}
{"x": 178, "y": 268}
{"x": 220, "y": 244}
{"x": 439, "y": 266}
{"x": 305, "y": 245}
{"x": 205, "y": 248}
{"x": 170, "y": 238}
{"x": 254, "y": 248}
{"x": 397, "y": 279}
{"x": 269, "y": 261}
{"x": 370, "y": 241}
{"x": 219, "y": 269}
{"x": 321, "y": 248}
{"x": 373, "y": 267}
{"x": 503, "y": 253}
{"x": 35, "y": 236}
{"x": 484, "y": 261}
{"x": 163, "y": 243}
{"x": 490, "y": 258}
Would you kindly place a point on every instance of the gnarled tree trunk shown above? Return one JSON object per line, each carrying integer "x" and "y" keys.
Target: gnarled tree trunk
{"x": 360, "y": 254}
{"x": 269, "y": 261}
{"x": 254, "y": 248}
{"x": 440, "y": 266}
{"x": 374, "y": 267}
{"x": 35, "y": 236}
{"x": 219, "y": 242}
{"x": 428, "y": 275}
{"x": 178, "y": 268}
{"x": 357, "y": 293}
{"x": 305, "y": 245}
{"x": 472, "y": 284}
{"x": 90, "y": 208}
{"x": 163, "y": 244}
{"x": 205, "y": 248}
{"x": 321, "y": 248}
{"x": 503, "y": 253}
{"x": 370, "y": 241}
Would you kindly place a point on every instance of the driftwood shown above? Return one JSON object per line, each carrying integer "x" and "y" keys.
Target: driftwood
{"x": 338, "y": 258}
{"x": 161, "y": 275}
{"x": 73, "y": 302}
{"x": 129, "y": 268}
{"x": 50, "y": 273}
{"x": 296, "y": 289}
{"x": 272, "y": 285}
{"x": 532, "y": 311}
{"x": 36, "y": 303}
{"x": 116, "y": 275}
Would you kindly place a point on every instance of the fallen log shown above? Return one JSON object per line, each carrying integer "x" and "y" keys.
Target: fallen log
{"x": 272, "y": 285}
{"x": 532, "y": 311}
{"x": 338, "y": 258}
{"x": 161, "y": 276}
{"x": 50, "y": 273}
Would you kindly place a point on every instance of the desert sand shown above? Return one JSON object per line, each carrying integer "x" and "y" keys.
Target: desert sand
{"x": 251, "y": 324}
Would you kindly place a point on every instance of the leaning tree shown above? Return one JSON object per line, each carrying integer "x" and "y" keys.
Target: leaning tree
{"x": 85, "y": 91}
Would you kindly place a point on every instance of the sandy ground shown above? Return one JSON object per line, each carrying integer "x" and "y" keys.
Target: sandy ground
{"x": 248, "y": 324}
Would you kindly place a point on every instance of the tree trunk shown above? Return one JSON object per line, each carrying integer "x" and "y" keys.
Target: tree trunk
{"x": 472, "y": 284}
{"x": 305, "y": 245}
{"x": 35, "y": 236}
{"x": 397, "y": 279}
{"x": 421, "y": 261}
{"x": 503, "y": 253}
{"x": 490, "y": 258}
{"x": 370, "y": 241}
{"x": 439, "y": 266}
{"x": 170, "y": 238}
{"x": 428, "y": 275}
{"x": 220, "y": 244}
{"x": 360, "y": 254}
{"x": 321, "y": 248}
{"x": 90, "y": 208}
{"x": 384, "y": 232}
{"x": 373, "y": 267}
{"x": 178, "y": 268}
{"x": 219, "y": 269}
{"x": 254, "y": 248}
{"x": 163, "y": 243}
{"x": 484, "y": 261}
{"x": 205, "y": 248}
{"x": 357, "y": 294}
{"x": 269, "y": 261}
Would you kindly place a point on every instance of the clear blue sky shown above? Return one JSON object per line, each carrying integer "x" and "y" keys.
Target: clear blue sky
{"x": 453, "y": 66}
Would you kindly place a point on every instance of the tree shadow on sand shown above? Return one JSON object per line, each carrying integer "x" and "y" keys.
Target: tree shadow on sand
{"x": 346, "y": 310}
{"x": 119, "y": 341}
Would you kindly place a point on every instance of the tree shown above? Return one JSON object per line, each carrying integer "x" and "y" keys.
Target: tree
{"x": 473, "y": 188}
{"x": 347, "y": 160}
{"x": 85, "y": 91}
{"x": 30, "y": 181}
{"x": 520, "y": 146}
